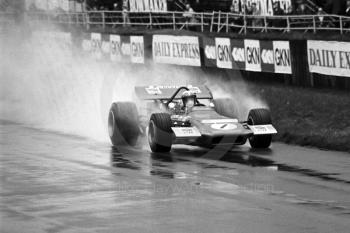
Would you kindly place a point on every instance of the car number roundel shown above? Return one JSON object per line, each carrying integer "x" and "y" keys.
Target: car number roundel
{"x": 224, "y": 126}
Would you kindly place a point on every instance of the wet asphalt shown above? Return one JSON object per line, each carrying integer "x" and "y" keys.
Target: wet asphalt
{"x": 51, "y": 182}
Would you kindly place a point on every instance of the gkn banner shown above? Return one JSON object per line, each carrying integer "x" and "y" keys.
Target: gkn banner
{"x": 251, "y": 55}
{"x": 329, "y": 57}
{"x": 115, "y": 47}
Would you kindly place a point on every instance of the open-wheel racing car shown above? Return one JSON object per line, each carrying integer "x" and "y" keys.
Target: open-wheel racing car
{"x": 186, "y": 115}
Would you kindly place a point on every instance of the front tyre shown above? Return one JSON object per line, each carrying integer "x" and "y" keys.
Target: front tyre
{"x": 260, "y": 116}
{"x": 123, "y": 124}
{"x": 160, "y": 135}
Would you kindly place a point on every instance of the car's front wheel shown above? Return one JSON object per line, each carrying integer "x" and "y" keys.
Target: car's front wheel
{"x": 160, "y": 135}
{"x": 260, "y": 116}
{"x": 123, "y": 124}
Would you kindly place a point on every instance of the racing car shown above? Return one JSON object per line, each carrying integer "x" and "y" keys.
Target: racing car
{"x": 185, "y": 115}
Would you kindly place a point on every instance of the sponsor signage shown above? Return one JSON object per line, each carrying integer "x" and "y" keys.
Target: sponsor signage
{"x": 96, "y": 45}
{"x": 251, "y": 55}
{"x": 137, "y": 51}
{"x": 282, "y": 57}
{"x": 329, "y": 57}
{"x": 115, "y": 47}
{"x": 178, "y": 50}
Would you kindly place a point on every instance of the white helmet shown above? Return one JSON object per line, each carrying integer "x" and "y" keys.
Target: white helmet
{"x": 186, "y": 95}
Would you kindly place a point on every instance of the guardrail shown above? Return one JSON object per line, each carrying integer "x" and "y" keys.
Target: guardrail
{"x": 213, "y": 22}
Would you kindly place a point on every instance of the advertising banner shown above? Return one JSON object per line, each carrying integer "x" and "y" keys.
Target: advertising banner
{"x": 178, "y": 50}
{"x": 209, "y": 52}
{"x": 329, "y": 57}
{"x": 223, "y": 49}
{"x": 282, "y": 57}
{"x": 96, "y": 45}
{"x": 137, "y": 52}
{"x": 238, "y": 54}
{"x": 148, "y": 5}
{"x": 250, "y": 55}
{"x": 267, "y": 57}
{"x": 115, "y": 48}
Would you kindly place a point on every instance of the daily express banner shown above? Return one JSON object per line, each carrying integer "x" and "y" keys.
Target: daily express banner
{"x": 178, "y": 50}
{"x": 329, "y": 57}
{"x": 251, "y": 55}
{"x": 115, "y": 47}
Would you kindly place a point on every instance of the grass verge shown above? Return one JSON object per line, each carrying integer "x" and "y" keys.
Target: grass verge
{"x": 308, "y": 117}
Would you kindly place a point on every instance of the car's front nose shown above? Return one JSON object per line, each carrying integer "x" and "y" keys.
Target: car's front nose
{"x": 222, "y": 133}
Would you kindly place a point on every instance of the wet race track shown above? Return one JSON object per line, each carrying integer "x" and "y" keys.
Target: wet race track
{"x": 52, "y": 182}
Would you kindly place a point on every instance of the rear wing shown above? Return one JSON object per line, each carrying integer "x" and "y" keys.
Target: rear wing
{"x": 165, "y": 92}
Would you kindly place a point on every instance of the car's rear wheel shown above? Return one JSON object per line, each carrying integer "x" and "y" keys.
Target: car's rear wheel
{"x": 123, "y": 124}
{"x": 260, "y": 116}
{"x": 160, "y": 135}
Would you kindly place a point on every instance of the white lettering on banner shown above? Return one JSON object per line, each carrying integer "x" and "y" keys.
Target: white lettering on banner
{"x": 267, "y": 56}
{"x": 210, "y": 52}
{"x": 115, "y": 47}
{"x": 282, "y": 58}
{"x": 137, "y": 49}
{"x": 329, "y": 57}
{"x": 253, "y": 57}
{"x": 179, "y": 50}
{"x": 223, "y": 53}
{"x": 148, "y": 5}
{"x": 238, "y": 54}
{"x": 96, "y": 45}
{"x": 265, "y": 6}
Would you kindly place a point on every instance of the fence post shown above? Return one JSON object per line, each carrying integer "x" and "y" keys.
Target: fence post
{"x": 87, "y": 21}
{"x": 103, "y": 20}
{"x": 69, "y": 19}
{"x": 288, "y": 24}
{"x": 150, "y": 20}
{"x": 265, "y": 23}
{"x": 314, "y": 23}
{"x": 245, "y": 23}
{"x": 227, "y": 23}
{"x": 202, "y": 22}
{"x": 174, "y": 22}
{"x": 219, "y": 21}
{"x": 341, "y": 24}
{"x": 212, "y": 21}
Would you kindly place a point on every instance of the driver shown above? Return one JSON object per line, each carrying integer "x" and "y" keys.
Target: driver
{"x": 189, "y": 99}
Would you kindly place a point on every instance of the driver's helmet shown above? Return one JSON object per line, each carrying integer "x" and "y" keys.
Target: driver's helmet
{"x": 189, "y": 98}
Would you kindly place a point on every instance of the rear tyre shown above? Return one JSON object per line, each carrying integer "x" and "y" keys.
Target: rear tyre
{"x": 123, "y": 124}
{"x": 160, "y": 135}
{"x": 260, "y": 116}
{"x": 225, "y": 107}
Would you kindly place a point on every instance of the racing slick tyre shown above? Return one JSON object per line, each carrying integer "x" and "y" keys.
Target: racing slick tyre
{"x": 160, "y": 135}
{"x": 123, "y": 124}
{"x": 260, "y": 116}
{"x": 225, "y": 107}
